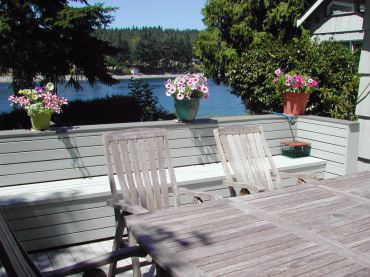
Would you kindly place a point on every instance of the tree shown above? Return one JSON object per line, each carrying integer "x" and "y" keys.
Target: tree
{"x": 245, "y": 41}
{"x": 152, "y": 49}
{"x": 151, "y": 110}
{"x": 234, "y": 26}
{"x": 148, "y": 49}
{"x": 52, "y": 39}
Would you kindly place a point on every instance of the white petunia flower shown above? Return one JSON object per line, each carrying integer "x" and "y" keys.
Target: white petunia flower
{"x": 180, "y": 96}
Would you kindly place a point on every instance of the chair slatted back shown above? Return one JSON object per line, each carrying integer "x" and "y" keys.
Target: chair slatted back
{"x": 13, "y": 257}
{"x": 245, "y": 150}
{"x": 139, "y": 158}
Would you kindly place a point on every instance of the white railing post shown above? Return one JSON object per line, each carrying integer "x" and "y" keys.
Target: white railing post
{"x": 352, "y": 149}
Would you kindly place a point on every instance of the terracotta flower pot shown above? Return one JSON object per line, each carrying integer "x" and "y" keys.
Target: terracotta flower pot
{"x": 295, "y": 103}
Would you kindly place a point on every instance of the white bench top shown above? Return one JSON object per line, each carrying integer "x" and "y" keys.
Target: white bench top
{"x": 56, "y": 191}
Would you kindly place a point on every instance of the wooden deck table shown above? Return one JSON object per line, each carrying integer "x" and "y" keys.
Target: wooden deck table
{"x": 320, "y": 229}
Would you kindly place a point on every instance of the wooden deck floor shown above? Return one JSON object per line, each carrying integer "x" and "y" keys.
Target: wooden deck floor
{"x": 62, "y": 257}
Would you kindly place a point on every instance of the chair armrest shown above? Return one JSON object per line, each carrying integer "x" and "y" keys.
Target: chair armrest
{"x": 200, "y": 194}
{"x": 300, "y": 175}
{"x": 131, "y": 209}
{"x": 251, "y": 187}
{"x": 120, "y": 254}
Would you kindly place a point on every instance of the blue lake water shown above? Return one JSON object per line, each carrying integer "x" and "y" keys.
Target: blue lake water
{"x": 220, "y": 102}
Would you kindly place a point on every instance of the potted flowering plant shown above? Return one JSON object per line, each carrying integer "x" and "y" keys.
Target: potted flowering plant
{"x": 40, "y": 103}
{"x": 296, "y": 90}
{"x": 186, "y": 91}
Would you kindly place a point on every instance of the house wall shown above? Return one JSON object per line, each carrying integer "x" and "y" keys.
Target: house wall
{"x": 347, "y": 27}
{"x": 363, "y": 98}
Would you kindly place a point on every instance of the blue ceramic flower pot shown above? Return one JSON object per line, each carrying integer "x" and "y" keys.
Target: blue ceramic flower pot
{"x": 186, "y": 110}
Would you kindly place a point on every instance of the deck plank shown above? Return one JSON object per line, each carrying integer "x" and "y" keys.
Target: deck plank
{"x": 233, "y": 244}
{"x": 243, "y": 247}
{"x": 200, "y": 239}
{"x": 259, "y": 265}
{"x": 238, "y": 256}
{"x": 314, "y": 208}
{"x": 313, "y": 263}
{"x": 352, "y": 270}
{"x": 306, "y": 270}
{"x": 206, "y": 228}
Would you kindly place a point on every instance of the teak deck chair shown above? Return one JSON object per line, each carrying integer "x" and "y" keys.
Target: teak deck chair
{"x": 17, "y": 263}
{"x": 139, "y": 159}
{"x": 244, "y": 150}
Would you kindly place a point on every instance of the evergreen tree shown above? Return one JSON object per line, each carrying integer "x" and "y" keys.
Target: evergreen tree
{"x": 246, "y": 41}
{"x": 152, "y": 49}
{"x": 233, "y": 26}
{"x": 52, "y": 39}
{"x": 150, "y": 108}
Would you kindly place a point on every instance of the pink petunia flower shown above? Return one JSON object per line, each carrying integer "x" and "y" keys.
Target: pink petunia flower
{"x": 172, "y": 89}
{"x": 278, "y": 71}
{"x": 186, "y": 85}
{"x": 193, "y": 86}
{"x": 204, "y": 89}
{"x": 181, "y": 81}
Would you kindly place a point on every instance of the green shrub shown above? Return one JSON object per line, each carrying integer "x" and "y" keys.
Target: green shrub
{"x": 17, "y": 119}
{"x": 113, "y": 109}
{"x": 331, "y": 63}
{"x": 149, "y": 105}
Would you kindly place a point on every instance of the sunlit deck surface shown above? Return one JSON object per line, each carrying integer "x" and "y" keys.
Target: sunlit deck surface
{"x": 61, "y": 257}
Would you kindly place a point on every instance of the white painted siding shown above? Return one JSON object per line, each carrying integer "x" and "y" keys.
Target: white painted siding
{"x": 338, "y": 24}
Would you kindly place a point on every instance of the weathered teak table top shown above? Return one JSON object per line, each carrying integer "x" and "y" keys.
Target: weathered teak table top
{"x": 321, "y": 229}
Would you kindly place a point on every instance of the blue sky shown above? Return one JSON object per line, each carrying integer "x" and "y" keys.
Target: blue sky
{"x": 180, "y": 14}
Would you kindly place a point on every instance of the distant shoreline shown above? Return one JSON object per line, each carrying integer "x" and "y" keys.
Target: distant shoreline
{"x": 144, "y": 76}
{"x": 8, "y": 79}
{"x": 5, "y": 79}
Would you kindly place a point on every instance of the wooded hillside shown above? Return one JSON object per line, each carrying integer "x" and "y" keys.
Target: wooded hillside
{"x": 151, "y": 49}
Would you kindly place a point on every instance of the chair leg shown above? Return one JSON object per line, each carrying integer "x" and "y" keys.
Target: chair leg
{"x": 232, "y": 191}
{"x": 160, "y": 272}
{"x": 197, "y": 199}
{"x": 135, "y": 260}
{"x": 300, "y": 181}
{"x": 120, "y": 226}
